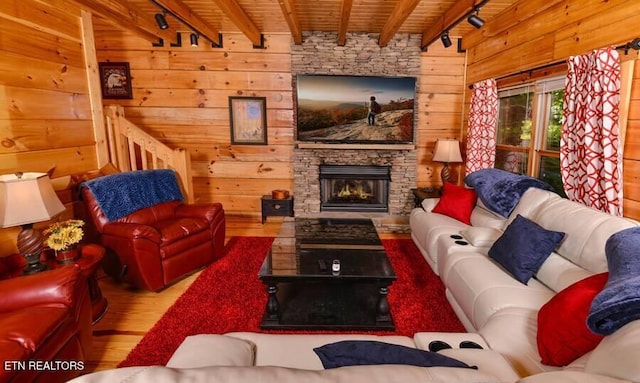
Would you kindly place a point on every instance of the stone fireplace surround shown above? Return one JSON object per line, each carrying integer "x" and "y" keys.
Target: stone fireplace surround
{"x": 362, "y": 188}
{"x": 361, "y": 55}
{"x": 307, "y": 169}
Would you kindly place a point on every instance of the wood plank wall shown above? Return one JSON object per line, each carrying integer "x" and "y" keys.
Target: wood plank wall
{"x": 181, "y": 96}
{"x": 631, "y": 153}
{"x": 531, "y": 34}
{"x": 440, "y": 109}
{"x": 45, "y": 118}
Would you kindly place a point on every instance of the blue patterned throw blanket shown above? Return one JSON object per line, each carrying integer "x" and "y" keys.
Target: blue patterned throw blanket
{"x": 121, "y": 194}
{"x": 619, "y": 301}
{"x": 500, "y": 190}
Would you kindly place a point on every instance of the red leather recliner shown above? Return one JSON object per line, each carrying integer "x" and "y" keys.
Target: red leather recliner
{"x": 159, "y": 245}
{"x": 44, "y": 318}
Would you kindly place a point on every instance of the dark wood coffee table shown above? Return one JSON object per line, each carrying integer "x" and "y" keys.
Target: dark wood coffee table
{"x": 304, "y": 292}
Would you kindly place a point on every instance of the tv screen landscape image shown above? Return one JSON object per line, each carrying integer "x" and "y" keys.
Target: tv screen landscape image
{"x": 341, "y": 109}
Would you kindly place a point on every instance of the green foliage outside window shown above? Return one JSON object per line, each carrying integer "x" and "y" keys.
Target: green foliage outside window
{"x": 554, "y": 126}
{"x": 515, "y": 125}
{"x": 549, "y": 172}
{"x": 514, "y": 120}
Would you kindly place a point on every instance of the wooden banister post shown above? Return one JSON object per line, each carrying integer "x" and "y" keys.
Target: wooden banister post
{"x": 126, "y": 141}
{"x": 182, "y": 161}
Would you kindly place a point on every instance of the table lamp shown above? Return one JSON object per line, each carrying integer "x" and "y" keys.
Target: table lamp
{"x": 446, "y": 150}
{"x": 27, "y": 198}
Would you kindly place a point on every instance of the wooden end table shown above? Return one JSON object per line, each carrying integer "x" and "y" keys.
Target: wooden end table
{"x": 420, "y": 194}
{"x": 91, "y": 256}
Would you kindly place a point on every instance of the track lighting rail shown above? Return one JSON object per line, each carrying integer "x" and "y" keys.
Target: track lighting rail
{"x": 162, "y": 24}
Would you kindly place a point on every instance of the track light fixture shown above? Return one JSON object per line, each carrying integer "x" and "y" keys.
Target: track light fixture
{"x": 161, "y": 20}
{"x": 447, "y": 24}
{"x": 475, "y": 20}
{"x": 446, "y": 41}
{"x": 195, "y": 35}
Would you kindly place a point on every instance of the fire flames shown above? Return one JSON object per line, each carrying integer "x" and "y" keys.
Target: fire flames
{"x": 354, "y": 190}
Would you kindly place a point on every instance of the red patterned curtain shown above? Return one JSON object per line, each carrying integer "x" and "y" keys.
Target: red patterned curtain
{"x": 481, "y": 137}
{"x": 590, "y": 152}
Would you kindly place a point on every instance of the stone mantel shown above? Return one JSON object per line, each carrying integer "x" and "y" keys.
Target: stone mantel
{"x": 313, "y": 145}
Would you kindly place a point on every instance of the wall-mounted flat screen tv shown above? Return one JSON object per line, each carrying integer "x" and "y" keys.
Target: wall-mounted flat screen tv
{"x": 342, "y": 109}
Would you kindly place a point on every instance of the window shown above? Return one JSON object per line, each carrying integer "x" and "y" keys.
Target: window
{"x": 528, "y": 131}
{"x": 514, "y": 129}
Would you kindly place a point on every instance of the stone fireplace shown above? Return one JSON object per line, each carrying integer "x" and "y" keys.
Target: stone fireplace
{"x": 362, "y": 188}
{"x": 319, "y": 54}
{"x": 399, "y": 163}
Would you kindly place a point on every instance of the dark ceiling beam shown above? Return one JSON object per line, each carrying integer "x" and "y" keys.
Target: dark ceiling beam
{"x": 401, "y": 11}
{"x": 456, "y": 13}
{"x": 240, "y": 19}
{"x": 188, "y": 17}
{"x": 343, "y": 26}
{"x": 128, "y": 17}
{"x": 289, "y": 12}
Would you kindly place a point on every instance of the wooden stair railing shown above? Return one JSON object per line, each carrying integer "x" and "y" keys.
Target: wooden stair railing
{"x": 131, "y": 148}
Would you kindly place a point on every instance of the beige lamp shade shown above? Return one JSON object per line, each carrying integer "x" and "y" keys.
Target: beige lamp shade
{"x": 26, "y": 198}
{"x": 447, "y": 150}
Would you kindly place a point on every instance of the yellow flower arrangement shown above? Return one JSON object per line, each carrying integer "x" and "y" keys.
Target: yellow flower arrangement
{"x": 61, "y": 235}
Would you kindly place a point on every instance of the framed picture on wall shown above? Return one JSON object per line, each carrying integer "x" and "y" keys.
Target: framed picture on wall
{"x": 248, "y": 117}
{"x": 115, "y": 80}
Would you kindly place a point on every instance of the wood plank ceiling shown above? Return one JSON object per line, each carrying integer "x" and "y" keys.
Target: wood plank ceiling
{"x": 253, "y": 18}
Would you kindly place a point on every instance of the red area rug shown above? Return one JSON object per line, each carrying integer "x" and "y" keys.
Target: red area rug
{"x": 228, "y": 296}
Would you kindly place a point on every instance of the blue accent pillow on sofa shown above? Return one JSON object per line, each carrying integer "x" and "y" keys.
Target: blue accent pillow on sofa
{"x": 523, "y": 248}
{"x": 365, "y": 352}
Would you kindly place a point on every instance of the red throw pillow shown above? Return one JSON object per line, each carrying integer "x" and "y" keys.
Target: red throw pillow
{"x": 563, "y": 335}
{"x": 456, "y": 202}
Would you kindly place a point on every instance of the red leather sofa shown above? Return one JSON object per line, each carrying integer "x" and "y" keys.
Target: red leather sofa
{"x": 158, "y": 245}
{"x": 45, "y": 326}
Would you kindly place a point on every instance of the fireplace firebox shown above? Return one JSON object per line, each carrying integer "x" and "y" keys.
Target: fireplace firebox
{"x": 358, "y": 188}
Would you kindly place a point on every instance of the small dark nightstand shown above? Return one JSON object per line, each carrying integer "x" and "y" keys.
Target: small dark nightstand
{"x": 276, "y": 207}
{"x": 421, "y": 194}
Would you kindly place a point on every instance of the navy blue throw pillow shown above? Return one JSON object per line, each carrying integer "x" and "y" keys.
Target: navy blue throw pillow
{"x": 365, "y": 352}
{"x": 523, "y": 248}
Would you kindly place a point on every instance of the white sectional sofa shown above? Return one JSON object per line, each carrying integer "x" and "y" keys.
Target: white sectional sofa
{"x": 503, "y": 311}
{"x": 499, "y": 313}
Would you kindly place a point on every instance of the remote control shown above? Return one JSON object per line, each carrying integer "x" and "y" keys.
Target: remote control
{"x": 323, "y": 265}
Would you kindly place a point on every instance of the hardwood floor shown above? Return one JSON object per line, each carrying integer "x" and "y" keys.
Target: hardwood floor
{"x": 132, "y": 312}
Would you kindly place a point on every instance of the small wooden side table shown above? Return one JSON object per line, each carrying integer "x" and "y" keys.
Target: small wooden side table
{"x": 420, "y": 194}
{"x": 91, "y": 256}
{"x": 276, "y": 207}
